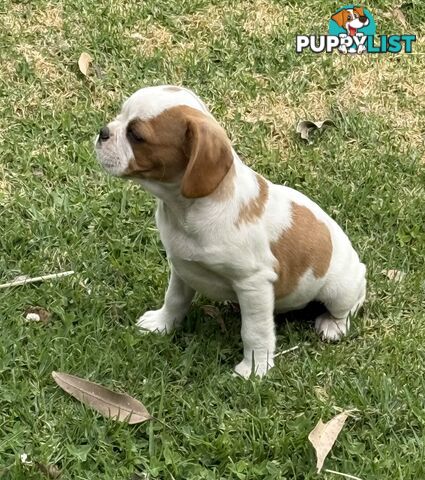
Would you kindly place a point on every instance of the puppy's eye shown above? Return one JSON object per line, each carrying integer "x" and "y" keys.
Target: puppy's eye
{"x": 134, "y": 135}
{"x": 350, "y": 17}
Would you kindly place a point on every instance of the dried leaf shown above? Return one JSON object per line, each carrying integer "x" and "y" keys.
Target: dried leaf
{"x": 51, "y": 471}
{"x": 321, "y": 393}
{"x": 395, "y": 275}
{"x": 305, "y": 127}
{"x": 399, "y": 15}
{"x": 234, "y": 307}
{"x": 214, "y": 313}
{"x": 37, "y": 314}
{"x": 84, "y": 62}
{"x": 323, "y": 437}
{"x": 118, "y": 406}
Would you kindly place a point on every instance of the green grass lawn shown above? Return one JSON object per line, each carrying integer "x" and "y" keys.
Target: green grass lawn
{"x": 59, "y": 211}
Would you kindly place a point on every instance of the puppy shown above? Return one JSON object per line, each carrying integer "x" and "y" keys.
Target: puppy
{"x": 351, "y": 19}
{"x": 229, "y": 233}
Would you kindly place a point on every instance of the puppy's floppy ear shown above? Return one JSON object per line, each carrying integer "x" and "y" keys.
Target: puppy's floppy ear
{"x": 210, "y": 157}
{"x": 340, "y": 18}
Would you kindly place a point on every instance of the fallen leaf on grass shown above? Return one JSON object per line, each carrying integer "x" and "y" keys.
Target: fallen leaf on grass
{"x": 321, "y": 393}
{"x": 305, "y": 127}
{"x": 51, "y": 471}
{"x": 396, "y": 275}
{"x": 84, "y": 62}
{"x": 214, "y": 313}
{"x": 323, "y": 436}
{"x": 397, "y": 14}
{"x": 118, "y": 406}
{"x": 37, "y": 314}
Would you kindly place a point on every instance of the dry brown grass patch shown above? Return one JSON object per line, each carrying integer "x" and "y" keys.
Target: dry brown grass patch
{"x": 276, "y": 110}
{"x": 44, "y": 67}
{"x": 262, "y": 17}
{"x": 20, "y": 21}
{"x": 200, "y": 27}
{"x": 50, "y": 18}
{"x": 5, "y": 185}
{"x": 210, "y": 19}
{"x": 150, "y": 38}
{"x": 375, "y": 86}
{"x": 12, "y": 20}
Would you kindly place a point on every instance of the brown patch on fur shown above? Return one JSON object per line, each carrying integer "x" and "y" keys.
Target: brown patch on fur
{"x": 262, "y": 17}
{"x": 184, "y": 144}
{"x": 306, "y": 244}
{"x": 255, "y": 207}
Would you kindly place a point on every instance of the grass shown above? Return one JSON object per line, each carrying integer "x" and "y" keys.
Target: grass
{"x": 59, "y": 211}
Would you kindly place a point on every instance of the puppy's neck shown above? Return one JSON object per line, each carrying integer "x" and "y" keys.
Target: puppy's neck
{"x": 222, "y": 204}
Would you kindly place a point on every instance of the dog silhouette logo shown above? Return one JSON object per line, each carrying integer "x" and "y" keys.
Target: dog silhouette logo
{"x": 353, "y": 21}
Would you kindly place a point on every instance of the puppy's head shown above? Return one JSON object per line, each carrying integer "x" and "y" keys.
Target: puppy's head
{"x": 351, "y": 19}
{"x": 166, "y": 135}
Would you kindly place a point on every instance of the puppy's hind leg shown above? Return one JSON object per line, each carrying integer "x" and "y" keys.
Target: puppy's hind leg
{"x": 335, "y": 323}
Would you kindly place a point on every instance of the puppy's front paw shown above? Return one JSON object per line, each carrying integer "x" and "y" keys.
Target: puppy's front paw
{"x": 154, "y": 321}
{"x": 244, "y": 368}
{"x": 330, "y": 328}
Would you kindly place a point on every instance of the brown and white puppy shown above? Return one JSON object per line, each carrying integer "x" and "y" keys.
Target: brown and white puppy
{"x": 351, "y": 19}
{"x": 229, "y": 233}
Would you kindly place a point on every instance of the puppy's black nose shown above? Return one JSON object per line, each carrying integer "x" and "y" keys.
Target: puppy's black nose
{"x": 104, "y": 133}
{"x": 363, "y": 19}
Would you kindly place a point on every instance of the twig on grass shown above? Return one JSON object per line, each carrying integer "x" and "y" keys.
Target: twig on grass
{"x": 43, "y": 278}
{"x": 346, "y": 475}
{"x": 287, "y": 351}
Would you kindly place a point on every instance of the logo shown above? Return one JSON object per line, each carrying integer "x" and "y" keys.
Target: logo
{"x": 352, "y": 29}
